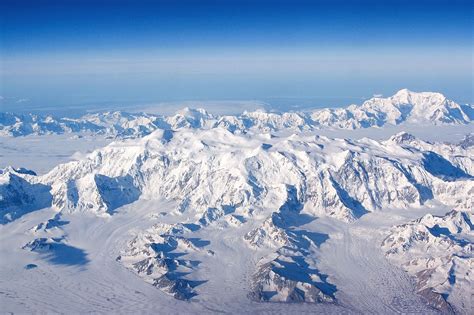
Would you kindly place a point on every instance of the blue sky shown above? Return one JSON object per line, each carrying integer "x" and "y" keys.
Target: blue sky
{"x": 60, "y": 53}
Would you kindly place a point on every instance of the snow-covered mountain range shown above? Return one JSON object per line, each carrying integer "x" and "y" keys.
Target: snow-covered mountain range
{"x": 403, "y": 107}
{"x": 261, "y": 186}
{"x": 215, "y": 172}
{"x": 228, "y": 213}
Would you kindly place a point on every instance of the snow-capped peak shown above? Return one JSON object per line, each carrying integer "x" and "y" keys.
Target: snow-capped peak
{"x": 405, "y": 106}
{"x": 409, "y": 97}
{"x": 193, "y": 112}
{"x": 402, "y": 137}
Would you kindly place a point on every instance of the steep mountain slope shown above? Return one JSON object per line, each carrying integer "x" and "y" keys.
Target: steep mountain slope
{"x": 404, "y": 106}
{"x": 213, "y": 173}
{"x": 437, "y": 251}
{"x": 19, "y": 196}
{"x": 265, "y": 188}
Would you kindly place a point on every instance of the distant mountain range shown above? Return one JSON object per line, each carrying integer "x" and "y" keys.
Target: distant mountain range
{"x": 403, "y": 107}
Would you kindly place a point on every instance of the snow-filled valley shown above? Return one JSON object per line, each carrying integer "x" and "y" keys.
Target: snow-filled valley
{"x": 364, "y": 209}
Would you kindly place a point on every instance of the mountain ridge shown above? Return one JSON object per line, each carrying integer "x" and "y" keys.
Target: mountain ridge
{"x": 403, "y": 107}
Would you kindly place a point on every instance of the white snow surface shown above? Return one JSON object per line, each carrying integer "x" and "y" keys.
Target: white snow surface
{"x": 256, "y": 217}
{"x": 437, "y": 250}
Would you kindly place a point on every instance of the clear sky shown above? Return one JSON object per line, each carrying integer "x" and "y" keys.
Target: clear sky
{"x": 58, "y": 53}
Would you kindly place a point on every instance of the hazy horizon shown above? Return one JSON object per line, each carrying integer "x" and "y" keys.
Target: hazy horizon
{"x": 58, "y": 54}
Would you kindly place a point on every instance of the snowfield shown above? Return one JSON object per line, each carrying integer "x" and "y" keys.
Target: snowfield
{"x": 261, "y": 212}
